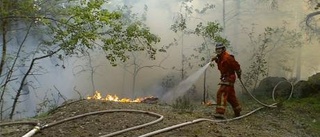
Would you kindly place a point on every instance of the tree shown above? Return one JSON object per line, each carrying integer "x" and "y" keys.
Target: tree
{"x": 274, "y": 45}
{"x": 138, "y": 58}
{"x": 210, "y": 35}
{"x": 181, "y": 25}
{"x": 67, "y": 28}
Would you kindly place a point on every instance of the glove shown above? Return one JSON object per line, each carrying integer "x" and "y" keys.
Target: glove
{"x": 213, "y": 58}
{"x": 239, "y": 73}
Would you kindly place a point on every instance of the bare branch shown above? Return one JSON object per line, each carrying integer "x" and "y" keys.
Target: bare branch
{"x": 23, "y": 81}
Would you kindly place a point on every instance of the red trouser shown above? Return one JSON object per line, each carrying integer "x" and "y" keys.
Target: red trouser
{"x": 226, "y": 94}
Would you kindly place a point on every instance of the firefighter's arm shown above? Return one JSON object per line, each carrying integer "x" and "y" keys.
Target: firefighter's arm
{"x": 214, "y": 58}
{"x": 236, "y": 66}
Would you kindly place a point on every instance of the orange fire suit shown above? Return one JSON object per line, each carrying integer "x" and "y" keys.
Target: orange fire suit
{"x": 228, "y": 66}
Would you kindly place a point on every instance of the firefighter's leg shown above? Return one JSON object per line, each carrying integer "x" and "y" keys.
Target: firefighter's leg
{"x": 232, "y": 99}
{"x": 221, "y": 100}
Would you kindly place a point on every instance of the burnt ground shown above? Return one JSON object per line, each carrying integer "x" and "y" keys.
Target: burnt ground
{"x": 296, "y": 118}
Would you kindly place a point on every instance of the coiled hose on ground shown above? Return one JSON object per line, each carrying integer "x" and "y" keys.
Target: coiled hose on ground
{"x": 39, "y": 127}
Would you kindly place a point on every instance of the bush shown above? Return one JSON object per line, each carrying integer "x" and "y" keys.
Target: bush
{"x": 183, "y": 105}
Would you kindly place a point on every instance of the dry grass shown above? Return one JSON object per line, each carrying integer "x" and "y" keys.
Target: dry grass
{"x": 278, "y": 122}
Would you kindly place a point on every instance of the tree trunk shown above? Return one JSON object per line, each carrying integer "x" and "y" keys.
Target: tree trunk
{"x": 24, "y": 83}
{"x": 3, "y": 59}
{"x": 4, "y": 45}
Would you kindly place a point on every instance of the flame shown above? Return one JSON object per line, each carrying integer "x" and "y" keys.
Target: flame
{"x": 115, "y": 98}
{"x": 208, "y": 103}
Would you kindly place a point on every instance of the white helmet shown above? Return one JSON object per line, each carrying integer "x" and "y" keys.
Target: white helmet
{"x": 220, "y": 45}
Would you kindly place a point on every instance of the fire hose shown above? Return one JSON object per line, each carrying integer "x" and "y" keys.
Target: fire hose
{"x": 225, "y": 120}
{"x": 34, "y": 123}
{"x": 38, "y": 126}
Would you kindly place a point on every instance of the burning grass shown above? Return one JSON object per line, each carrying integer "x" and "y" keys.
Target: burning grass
{"x": 115, "y": 98}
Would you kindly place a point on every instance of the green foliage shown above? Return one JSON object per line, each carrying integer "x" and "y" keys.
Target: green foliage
{"x": 117, "y": 34}
{"x": 179, "y": 25}
{"x": 186, "y": 11}
{"x": 209, "y": 31}
{"x": 210, "y": 34}
{"x": 71, "y": 26}
{"x": 309, "y": 109}
{"x": 17, "y": 9}
{"x": 79, "y": 25}
{"x": 273, "y": 43}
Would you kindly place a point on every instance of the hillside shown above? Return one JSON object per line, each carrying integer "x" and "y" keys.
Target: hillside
{"x": 293, "y": 118}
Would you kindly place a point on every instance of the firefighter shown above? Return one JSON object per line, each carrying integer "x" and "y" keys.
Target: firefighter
{"x": 229, "y": 68}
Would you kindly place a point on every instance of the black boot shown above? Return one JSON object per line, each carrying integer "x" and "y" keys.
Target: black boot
{"x": 237, "y": 111}
{"x": 219, "y": 116}
{"x": 237, "y": 114}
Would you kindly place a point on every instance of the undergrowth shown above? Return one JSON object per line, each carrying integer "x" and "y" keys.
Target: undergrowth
{"x": 183, "y": 104}
{"x": 309, "y": 109}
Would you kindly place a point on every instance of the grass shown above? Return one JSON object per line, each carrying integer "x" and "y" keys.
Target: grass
{"x": 183, "y": 105}
{"x": 306, "y": 110}
{"x": 309, "y": 109}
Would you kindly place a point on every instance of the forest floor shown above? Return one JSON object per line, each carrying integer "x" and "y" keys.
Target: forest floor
{"x": 293, "y": 118}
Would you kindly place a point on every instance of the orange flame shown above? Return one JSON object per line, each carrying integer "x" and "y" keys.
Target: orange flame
{"x": 115, "y": 98}
{"x": 208, "y": 103}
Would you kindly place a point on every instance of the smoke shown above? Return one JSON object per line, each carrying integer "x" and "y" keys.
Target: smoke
{"x": 183, "y": 86}
{"x": 77, "y": 77}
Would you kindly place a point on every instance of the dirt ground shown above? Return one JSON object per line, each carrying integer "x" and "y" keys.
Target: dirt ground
{"x": 268, "y": 122}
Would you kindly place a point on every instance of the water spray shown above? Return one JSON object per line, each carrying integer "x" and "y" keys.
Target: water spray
{"x": 184, "y": 86}
{"x": 180, "y": 90}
